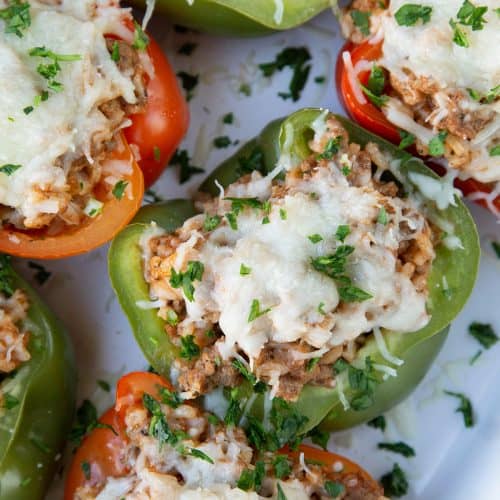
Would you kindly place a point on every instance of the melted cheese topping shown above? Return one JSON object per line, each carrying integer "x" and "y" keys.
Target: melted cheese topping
{"x": 282, "y": 277}
{"x": 436, "y": 55}
{"x": 428, "y": 51}
{"x": 66, "y": 124}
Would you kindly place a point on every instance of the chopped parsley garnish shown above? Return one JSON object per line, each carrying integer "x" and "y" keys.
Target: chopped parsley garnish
{"x": 283, "y": 214}
{"x": 186, "y": 49}
{"x": 245, "y": 89}
{"x": 395, "y": 483}
{"x": 484, "y": 334}
{"x": 256, "y": 311}
{"x": 251, "y": 479}
{"x": 470, "y": 15}
{"x": 119, "y": 189}
{"x": 281, "y": 495}
{"x": 281, "y": 466}
{"x": 211, "y": 222}
{"x": 334, "y": 489}
{"x": 436, "y": 145}
{"x": 8, "y": 401}
{"x": 331, "y": 148}
{"x": 222, "y": 142}
{"x": 189, "y": 348}
{"x": 399, "y": 447}
{"x": 476, "y": 356}
{"x": 346, "y": 170}
{"x": 50, "y": 70}
{"x": 247, "y": 374}
{"x": 459, "y": 35}
{"x": 189, "y": 83}
{"x": 41, "y": 274}
{"x": 410, "y": 13}
{"x": 6, "y": 282}
{"x": 376, "y": 80}
{"x": 361, "y": 20}
{"x": 492, "y": 94}
{"x": 320, "y": 79}
{"x": 104, "y": 385}
{"x": 465, "y": 407}
{"x": 407, "y": 139}
{"x": 185, "y": 279}
{"x": 186, "y": 170}
{"x": 9, "y": 168}
{"x": 311, "y": 363}
{"x": 228, "y": 119}
{"x": 321, "y": 308}
{"x": 315, "y": 238}
{"x": 333, "y": 266}
{"x": 245, "y": 270}
{"x": 234, "y": 411}
{"x": 201, "y": 455}
{"x": 496, "y": 248}
{"x": 86, "y": 469}
{"x": 378, "y": 423}
{"x": 239, "y": 204}
{"x": 17, "y": 17}
{"x": 342, "y": 232}
{"x": 158, "y": 427}
{"x": 141, "y": 40}
{"x": 295, "y": 58}
{"x": 495, "y": 150}
{"x": 115, "y": 52}
{"x": 474, "y": 94}
{"x": 319, "y": 437}
{"x": 28, "y": 109}
{"x": 363, "y": 383}
{"x": 86, "y": 421}
{"x": 170, "y": 398}
{"x": 378, "y": 100}
{"x": 233, "y": 221}
{"x": 382, "y": 216}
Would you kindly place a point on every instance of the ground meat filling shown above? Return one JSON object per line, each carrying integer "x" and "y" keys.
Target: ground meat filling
{"x": 13, "y": 337}
{"x": 167, "y": 470}
{"x": 84, "y": 176}
{"x": 285, "y": 366}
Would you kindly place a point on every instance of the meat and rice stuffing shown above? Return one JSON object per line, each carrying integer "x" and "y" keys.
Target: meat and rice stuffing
{"x": 281, "y": 278}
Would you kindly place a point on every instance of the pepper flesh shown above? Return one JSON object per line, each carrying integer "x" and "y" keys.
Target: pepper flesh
{"x": 240, "y": 17}
{"x": 417, "y": 349}
{"x": 33, "y": 433}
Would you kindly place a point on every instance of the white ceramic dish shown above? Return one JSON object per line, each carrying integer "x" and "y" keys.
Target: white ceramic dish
{"x": 451, "y": 462}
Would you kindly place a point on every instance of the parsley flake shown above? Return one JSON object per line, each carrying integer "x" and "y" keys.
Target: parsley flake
{"x": 187, "y": 48}
{"x": 9, "y": 168}
{"x": 245, "y": 270}
{"x": 222, "y": 142}
{"x": 189, "y": 83}
{"x": 378, "y": 423}
{"x": 255, "y": 311}
{"x": 399, "y": 447}
{"x": 228, "y": 119}
{"x": 382, "y": 216}
{"x": 395, "y": 483}
{"x": 211, "y": 222}
{"x": 342, "y": 232}
{"x": 86, "y": 470}
{"x": 495, "y": 150}
{"x": 361, "y": 20}
{"x": 194, "y": 272}
{"x": 186, "y": 170}
{"x": 331, "y": 148}
{"x": 410, "y": 13}
{"x": 201, "y": 455}
{"x": 436, "y": 144}
{"x": 484, "y": 334}
{"x": 119, "y": 189}
{"x": 17, "y": 17}
{"x": 315, "y": 238}
{"x": 407, "y": 139}
{"x": 334, "y": 489}
{"x": 465, "y": 407}
{"x": 9, "y": 401}
{"x": 141, "y": 40}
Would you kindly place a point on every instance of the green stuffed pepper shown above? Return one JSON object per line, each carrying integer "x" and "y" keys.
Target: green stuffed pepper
{"x": 324, "y": 270}
{"x": 240, "y": 17}
{"x": 37, "y": 389}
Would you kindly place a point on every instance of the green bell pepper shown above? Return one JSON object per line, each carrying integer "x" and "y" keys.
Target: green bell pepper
{"x": 418, "y": 349}
{"x": 240, "y": 17}
{"x": 41, "y": 392}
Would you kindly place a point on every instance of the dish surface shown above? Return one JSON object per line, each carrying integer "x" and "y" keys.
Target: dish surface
{"x": 105, "y": 347}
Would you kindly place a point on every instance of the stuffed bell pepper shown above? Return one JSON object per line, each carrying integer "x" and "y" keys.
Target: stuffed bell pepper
{"x": 87, "y": 101}
{"x": 37, "y": 386}
{"x": 239, "y": 17}
{"x": 427, "y": 76}
{"x": 320, "y": 266}
{"x": 154, "y": 445}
